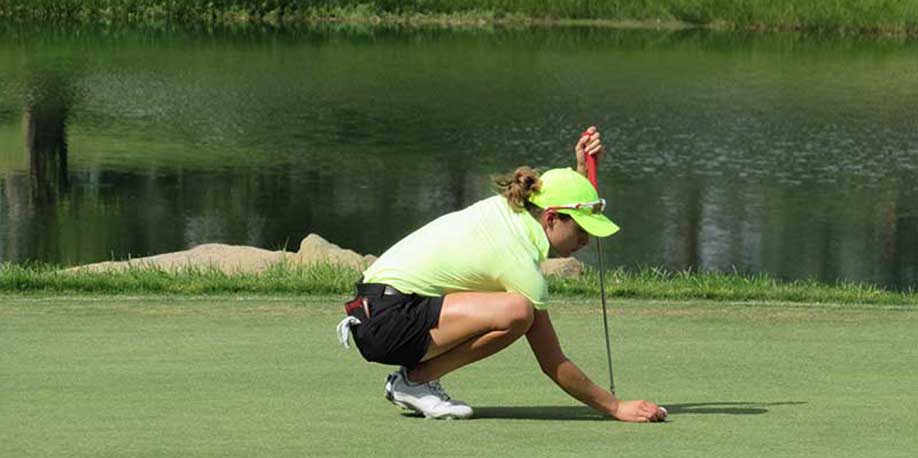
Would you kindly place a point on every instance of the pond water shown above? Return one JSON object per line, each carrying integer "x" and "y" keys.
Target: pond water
{"x": 786, "y": 154}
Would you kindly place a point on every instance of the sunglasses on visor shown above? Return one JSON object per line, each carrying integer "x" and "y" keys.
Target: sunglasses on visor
{"x": 595, "y": 207}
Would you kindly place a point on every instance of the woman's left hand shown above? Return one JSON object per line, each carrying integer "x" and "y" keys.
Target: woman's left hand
{"x": 588, "y": 144}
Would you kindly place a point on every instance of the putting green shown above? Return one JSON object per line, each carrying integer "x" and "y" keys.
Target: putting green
{"x": 264, "y": 376}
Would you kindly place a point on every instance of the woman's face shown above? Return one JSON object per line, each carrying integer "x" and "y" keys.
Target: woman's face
{"x": 564, "y": 234}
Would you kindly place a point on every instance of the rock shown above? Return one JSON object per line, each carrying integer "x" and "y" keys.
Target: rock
{"x": 562, "y": 267}
{"x": 243, "y": 259}
{"x": 227, "y": 258}
{"x": 314, "y": 249}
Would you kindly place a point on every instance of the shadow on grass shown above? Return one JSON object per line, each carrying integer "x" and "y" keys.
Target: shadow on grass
{"x": 531, "y": 413}
{"x": 583, "y": 413}
{"x": 726, "y": 408}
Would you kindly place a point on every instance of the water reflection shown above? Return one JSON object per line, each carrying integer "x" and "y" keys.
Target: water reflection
{"x": 49, "y": 102}
{"x": 727, "y": 152}
{"x": 30, "y": 201}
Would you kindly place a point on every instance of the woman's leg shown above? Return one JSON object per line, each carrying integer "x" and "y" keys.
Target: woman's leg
{"x": 472, "y": 326}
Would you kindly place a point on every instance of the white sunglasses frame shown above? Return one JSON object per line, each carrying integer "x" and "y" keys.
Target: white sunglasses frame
{"x": 592, "y": 206}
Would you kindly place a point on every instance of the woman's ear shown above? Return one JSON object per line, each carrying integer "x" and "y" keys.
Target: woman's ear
{"x": 549, "y": 217}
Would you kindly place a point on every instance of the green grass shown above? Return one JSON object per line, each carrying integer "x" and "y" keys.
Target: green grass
{"x": 279, "y": 279}
{"x": 242, "y": 376}
{"x": 823, "y": 15}
{"x": 330, "y": 279}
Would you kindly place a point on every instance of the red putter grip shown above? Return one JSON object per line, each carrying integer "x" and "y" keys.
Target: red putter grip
{"x": 591, "y": 164}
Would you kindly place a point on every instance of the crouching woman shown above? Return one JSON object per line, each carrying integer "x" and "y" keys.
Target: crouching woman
{"x": 467, "y": 285}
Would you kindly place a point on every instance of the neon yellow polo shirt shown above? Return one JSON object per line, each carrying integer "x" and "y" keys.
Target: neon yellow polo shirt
{"x": 485, "y": 247}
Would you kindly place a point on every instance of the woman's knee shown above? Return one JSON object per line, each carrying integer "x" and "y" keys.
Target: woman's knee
{"x": 518, "y": 313}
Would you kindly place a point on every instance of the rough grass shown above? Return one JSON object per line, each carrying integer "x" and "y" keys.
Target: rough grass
{"x": 206, "y": 376}
{"x": 331, "y": 279}
{"x": 837, "y": 16}
{"x": 662, "y": 284}
{"x": 280, "y": 278}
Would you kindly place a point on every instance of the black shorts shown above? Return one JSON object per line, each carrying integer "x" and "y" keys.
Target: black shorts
{"x": 397, "y": 330}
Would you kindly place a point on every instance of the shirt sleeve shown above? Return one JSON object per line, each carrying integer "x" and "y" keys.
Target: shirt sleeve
{"x": 529, "y": 282}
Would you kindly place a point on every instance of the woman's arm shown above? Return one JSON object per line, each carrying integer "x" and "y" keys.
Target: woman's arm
{"x": 544, "y": 343}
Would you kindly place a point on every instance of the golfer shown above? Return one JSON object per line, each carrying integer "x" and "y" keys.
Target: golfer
{"x": 467, "y": 285}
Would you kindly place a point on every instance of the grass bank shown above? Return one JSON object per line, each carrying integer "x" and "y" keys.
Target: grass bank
{"x": 845, "y": 16}
{"x": 264, "y": 377}
{"x": 336, "y": 280}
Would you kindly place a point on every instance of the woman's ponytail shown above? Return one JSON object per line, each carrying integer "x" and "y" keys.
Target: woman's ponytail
{"x": 517, "y": 187}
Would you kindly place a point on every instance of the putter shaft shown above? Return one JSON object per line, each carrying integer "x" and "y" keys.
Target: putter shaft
{"x": 605, "y": 319}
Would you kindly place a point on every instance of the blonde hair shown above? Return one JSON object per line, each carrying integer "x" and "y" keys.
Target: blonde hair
{"x": 518, "y": 186}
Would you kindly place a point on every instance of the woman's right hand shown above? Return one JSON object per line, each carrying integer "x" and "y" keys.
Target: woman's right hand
{"x": 639, "y": 412}
{"x": 589, "y": 144}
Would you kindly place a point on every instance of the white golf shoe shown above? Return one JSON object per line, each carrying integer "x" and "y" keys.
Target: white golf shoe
{"x": 428, "y": 399}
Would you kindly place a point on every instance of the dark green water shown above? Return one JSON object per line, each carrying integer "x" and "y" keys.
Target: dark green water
{"x": 785, "y": 154}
